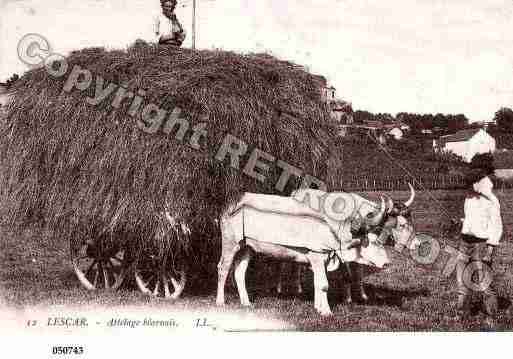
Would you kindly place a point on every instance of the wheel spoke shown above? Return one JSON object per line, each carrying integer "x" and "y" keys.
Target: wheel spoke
{"x": 143, "y": 287}
{"x": 157, "y": 285}
{"x": 105, "y": 277}
{"x": 178, "y": 285}
{"x": 96, "y": 274}
{"x": 148, "y": 282}
{"x": 81, "y": 276}
{"x": 90, "y": 268}
{"x": 167, "y": 293}
{"x": 100, "y": 271}
{"x": 113, "y": 268}
{"x": 151, "y": 279}
{"x": 116, "y": 258}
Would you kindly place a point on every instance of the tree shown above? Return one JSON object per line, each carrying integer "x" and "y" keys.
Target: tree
{"x": 457, "y": 123}
{"x": 413, "y": 120}
{"x": 504, "y": 119}
{"x": 11, "y": 80}
{"x": 362, "y": 116}
{"x": 441, "y": 121}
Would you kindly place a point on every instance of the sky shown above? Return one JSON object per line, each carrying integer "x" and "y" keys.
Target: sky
{"x": 425, "y": 56}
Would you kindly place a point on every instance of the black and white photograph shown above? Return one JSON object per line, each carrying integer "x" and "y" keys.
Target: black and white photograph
{"x": 222, "y": 167}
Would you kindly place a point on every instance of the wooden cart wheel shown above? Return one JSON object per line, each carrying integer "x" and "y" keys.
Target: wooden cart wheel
{"x": 96, "y": 270}
{"x": 153, "y": 280}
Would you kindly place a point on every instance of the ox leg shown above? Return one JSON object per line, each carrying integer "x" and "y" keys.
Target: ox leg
{"x": 297, "y": 270}
{"x": 356, "y": 278}
{"x": 320, "y": 284}
{"x": 241, "y": 265}
{"x": 281, "y": 270}
{"x": 299, "y": 275}
{"x": 348, "y": 282}
{"x": 223, "y": 269}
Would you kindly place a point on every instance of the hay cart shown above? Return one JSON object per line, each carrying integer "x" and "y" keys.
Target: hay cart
{"x": 70, "y": 162}
{"x": 103, "y": 264}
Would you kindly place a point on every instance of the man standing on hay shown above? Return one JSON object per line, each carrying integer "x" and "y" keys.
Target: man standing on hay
{"x": 167, "y": 28}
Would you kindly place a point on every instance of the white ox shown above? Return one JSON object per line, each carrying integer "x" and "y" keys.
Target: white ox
{"x": 286, "y": 229}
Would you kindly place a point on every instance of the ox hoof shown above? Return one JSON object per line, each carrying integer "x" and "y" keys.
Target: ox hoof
{"x": 220, "y": 303}
{"x": 364, "y": 297}
{"x": 349, "y": 301}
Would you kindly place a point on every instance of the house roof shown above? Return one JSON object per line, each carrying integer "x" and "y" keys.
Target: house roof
{"x": 373, "y": 124}
{"x": 322, "y": 79}
{"x": 340, "y": 105}
{"x": 460, "y": 136}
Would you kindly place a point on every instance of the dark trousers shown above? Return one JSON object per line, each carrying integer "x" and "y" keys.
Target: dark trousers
{"x": 474, "y": 274}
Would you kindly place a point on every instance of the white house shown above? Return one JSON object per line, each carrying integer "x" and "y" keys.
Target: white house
{"x": 396, "y": 133}
{"x": 466, "y": 143}
{"x": 329, "y": 93}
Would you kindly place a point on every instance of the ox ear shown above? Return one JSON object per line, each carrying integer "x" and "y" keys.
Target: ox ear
{"x": 390, "y": 204}
{"x": 376, "y": 219}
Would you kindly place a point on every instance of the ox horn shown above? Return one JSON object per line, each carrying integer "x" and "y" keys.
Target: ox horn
{"x": 412, "y": 196}
{"x": 376, "y": 220}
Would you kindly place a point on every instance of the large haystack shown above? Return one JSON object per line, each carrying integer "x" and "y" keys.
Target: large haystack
{"x": 85, "y": 169}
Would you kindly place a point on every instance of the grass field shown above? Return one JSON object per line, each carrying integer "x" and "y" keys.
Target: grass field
{"x": 35, "y": 273}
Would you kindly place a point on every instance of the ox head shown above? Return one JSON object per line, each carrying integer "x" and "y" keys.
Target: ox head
{"x": 390, "y": 221}
{"x": 366, "y": 250}
{"x": 369, "y": 216}
{"x": 397, "y": 225}
{"x": 374, "y": 253}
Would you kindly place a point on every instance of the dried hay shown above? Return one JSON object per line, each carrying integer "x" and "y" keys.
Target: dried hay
{"x": 86, "y": 171}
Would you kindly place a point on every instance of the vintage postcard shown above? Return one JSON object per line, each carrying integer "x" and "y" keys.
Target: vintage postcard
{"x": 204, "y": 168}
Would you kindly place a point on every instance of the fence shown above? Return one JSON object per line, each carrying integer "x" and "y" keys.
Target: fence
{"x": 421, "y": 183}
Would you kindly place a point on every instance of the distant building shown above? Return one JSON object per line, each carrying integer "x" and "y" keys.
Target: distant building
{"x": 376, "y": 129}
{"x": 404, "y": 127}
{"x": 341, "y": 111}
{"x": 396, "y": 133}
{"x": 466, "y": 143}
{"x": 329, "y": 94}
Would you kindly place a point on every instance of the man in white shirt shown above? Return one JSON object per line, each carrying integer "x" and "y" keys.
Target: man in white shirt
{"x": 480, "y": 235}
{"x": 166, "y": 27}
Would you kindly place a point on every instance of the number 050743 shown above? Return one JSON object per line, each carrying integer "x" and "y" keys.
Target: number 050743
{"x": 67, "y": 350}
